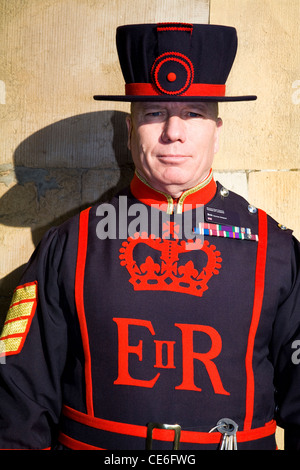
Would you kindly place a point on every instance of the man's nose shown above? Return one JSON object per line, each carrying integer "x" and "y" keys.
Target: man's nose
{"x": 174, "y": 130}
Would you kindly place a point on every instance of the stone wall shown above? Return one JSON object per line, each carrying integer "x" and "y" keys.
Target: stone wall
{"x": 259, "y": 153}
{"x": 59, "y": 149}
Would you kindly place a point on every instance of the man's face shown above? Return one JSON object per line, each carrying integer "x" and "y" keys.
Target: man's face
{"x": 173, "y": 143}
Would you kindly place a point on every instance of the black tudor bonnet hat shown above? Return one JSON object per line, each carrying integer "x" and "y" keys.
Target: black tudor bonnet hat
{"x": 175, "y": 62}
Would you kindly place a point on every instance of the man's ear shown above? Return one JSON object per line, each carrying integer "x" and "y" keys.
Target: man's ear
{"x": 129, "y": 131}
{"x": 219, "y": 124}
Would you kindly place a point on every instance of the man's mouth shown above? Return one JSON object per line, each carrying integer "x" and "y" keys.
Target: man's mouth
{"x": 173, "y": 158}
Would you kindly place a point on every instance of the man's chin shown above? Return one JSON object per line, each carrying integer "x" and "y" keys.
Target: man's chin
{"x": 174, "y": 187}
{"x": 173, "y": 177}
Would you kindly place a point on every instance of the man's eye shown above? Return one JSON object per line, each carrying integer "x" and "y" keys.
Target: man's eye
{"x": 154, "y": 114}
{"x": 194, "y": 114}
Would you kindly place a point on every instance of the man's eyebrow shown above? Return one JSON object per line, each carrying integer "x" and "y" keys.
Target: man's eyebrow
{"x": 143, "y": 108}
{"x": 201, "y": 106}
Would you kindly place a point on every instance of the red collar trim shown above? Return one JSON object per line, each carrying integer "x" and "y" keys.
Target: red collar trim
{"x": 200, "y": 194}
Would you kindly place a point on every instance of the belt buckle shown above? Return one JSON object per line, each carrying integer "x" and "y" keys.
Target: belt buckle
{"x": 170, "y": 427}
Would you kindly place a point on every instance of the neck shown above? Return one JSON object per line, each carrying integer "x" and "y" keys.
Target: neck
{"x": 200, "y": 194}
{"x": 176, "y": 191}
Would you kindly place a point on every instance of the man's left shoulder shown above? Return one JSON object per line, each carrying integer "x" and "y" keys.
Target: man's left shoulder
{"x": 235, "y": 209}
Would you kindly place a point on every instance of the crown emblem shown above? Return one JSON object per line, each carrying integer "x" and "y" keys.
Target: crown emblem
{"x": 169, "y": 275}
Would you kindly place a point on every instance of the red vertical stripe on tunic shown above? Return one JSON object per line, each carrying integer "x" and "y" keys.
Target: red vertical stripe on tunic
{"x": 257, "y": 305}
{"x": 79, "y": 300}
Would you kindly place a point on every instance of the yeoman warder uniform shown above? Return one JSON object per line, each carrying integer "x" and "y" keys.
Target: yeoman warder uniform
{"x": 148, "y": 335}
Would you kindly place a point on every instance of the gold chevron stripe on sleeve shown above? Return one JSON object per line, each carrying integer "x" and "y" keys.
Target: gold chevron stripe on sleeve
{"x": 18, "y": 319}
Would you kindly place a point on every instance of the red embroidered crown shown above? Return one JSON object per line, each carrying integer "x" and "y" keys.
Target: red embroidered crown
{"x": 169, "y": 275}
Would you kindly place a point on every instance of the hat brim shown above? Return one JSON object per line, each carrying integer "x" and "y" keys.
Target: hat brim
{"x": 133, "y": 98}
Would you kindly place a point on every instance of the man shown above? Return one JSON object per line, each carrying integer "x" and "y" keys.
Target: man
{"x": 173, "y": 144}
{"x": 170, "y": 316}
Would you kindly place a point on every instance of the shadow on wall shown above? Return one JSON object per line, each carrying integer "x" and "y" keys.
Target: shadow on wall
{"x": 60, "y": 170}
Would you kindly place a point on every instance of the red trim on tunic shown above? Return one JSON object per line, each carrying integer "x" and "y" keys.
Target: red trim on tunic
{"x": 257, "y": 305}
{"x": 74, "y": 444}
{"x": 191, "y": 437}
{"x": 79, "y": 300}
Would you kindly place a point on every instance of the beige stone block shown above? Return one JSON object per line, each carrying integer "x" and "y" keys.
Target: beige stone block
{"x": 89, "y": 140}
{"x": 16, "y": 248}
{"x": 264, "y": 134}
{"x": 100, "y": 185}
{"x": 18, "y": 204}
{"x": 234, "y": 181}
{"x": 60, "y": 149}
{"x": 40, "y": 198}
{"x": 278, "y": 193}
{"x": 58, "y": 54}
{"x": 59, "y": 201}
